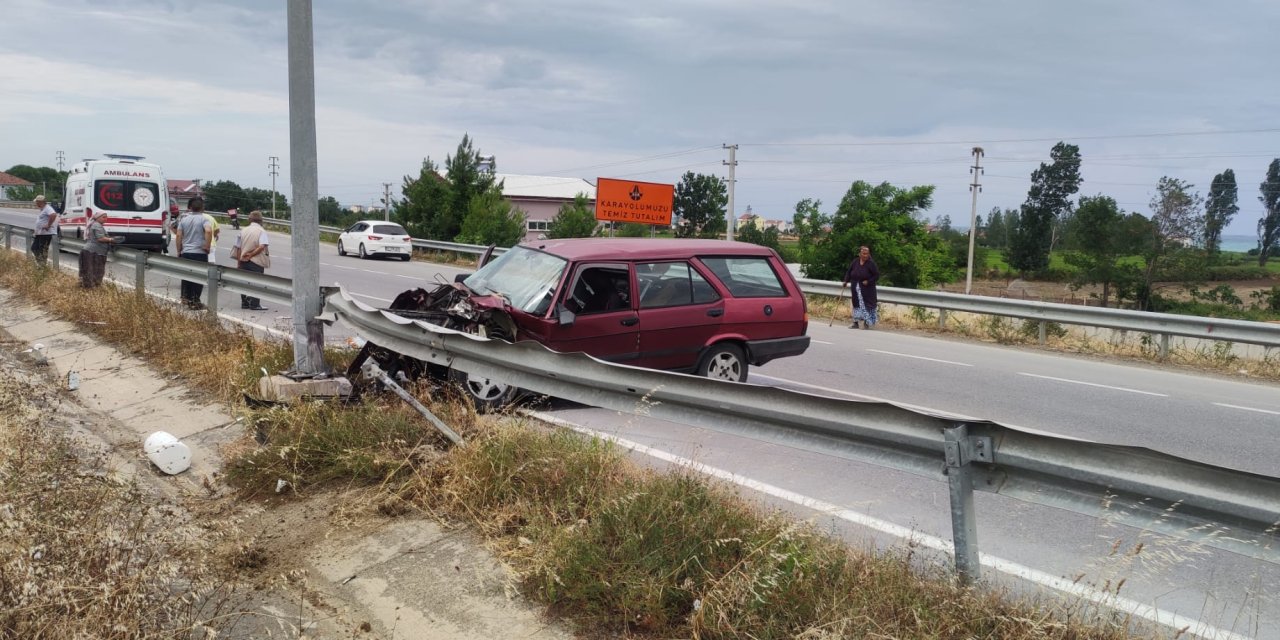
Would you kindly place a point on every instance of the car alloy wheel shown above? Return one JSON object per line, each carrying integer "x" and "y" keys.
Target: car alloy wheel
{"x": 724, "y": 362}
{"x": 363, "y": 255}
{"x": 341, "y": 250}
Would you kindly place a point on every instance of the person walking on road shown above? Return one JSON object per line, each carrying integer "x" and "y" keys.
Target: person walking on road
{"x": 194, "y": 238}
{"x": 46, "y": 226}
{"x": 863, "y": 274}
{"x": 251, "y": 254}
{"x": 93, "y": 257}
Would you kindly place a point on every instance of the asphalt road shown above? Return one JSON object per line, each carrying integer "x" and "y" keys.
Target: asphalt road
{"x": 1223, "y": 421}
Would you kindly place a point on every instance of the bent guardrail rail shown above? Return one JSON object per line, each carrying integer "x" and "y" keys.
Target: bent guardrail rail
{"x": 1215, "y": 506}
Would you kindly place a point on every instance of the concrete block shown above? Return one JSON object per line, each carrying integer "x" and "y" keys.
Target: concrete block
{"x": 284, "y": 389}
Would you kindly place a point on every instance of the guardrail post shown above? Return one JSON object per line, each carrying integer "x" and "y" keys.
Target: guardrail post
{"x": 1164, "y": 346}
{"x": 8, "y": 237}
{"x": 1043, "y": 332}
{"x": 27, "y": 236}
{"x": 140, "y": 274}
{"x": 942, "y": 318}
{"x": 960, "y": 451}
{"x": 211, "y": 291}
{"x": 55, "y": 250}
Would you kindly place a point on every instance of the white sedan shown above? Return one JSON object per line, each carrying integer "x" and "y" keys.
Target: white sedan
{"x": 376, "y": 238}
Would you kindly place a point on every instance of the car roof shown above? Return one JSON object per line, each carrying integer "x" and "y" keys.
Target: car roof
{"x": 375, "y": 222}
{"x": 644, "y": 248}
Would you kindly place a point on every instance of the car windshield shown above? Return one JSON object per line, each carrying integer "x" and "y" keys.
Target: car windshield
{"x": 390, "y": 229}
{"x": 525, "y": 277}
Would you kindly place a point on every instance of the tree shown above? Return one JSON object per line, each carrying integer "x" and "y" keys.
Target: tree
{"x": 1176, "y": 222}
{"x": 810, "y": 225}
{"x": 888, "y": 220}
{"x": 425, "y": 203}
{"x": 699, "y": 203}
{"x": 1052, "y": 186}
{"x": 466, "y": 182}
{"x": 573, "y": 220}
{"x": 766, "y": 238}
{"x": 1219, "y": 208}
{"x": 224, "y": 195}
{"x": 1269, "y": 224}
{"x": 48, "y": 182}
{"x": 492, "y": 220}
{"x": 1097, "y": 236}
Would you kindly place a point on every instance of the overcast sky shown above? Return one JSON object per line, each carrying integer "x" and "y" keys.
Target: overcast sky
{"x": 817, "y": 93}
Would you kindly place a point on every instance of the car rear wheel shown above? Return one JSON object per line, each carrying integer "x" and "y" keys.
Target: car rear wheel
{"x": 406, "y": 258}
{"x": 363, "y": 255}
{"x": 341, "y": 251}
{"x": 724, "y": 361}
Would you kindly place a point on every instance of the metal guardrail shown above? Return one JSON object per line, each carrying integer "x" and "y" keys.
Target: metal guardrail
{"x": 1206, "y": 504}
{"x": 1215, "y": 506}
{"x": 418, "y": 243}
{"x": 214, "y": 277}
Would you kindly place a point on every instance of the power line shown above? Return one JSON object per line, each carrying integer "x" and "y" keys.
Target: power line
{"x": 1174, "y": 134}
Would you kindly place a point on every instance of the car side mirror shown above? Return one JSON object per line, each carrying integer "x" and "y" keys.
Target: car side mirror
{"x": 564, "y": 316}
{"x": 460, "y": 277}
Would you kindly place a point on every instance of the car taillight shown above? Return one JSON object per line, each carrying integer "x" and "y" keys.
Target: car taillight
{"x": 375, "y": 237}
{"x": 408, "y": 239}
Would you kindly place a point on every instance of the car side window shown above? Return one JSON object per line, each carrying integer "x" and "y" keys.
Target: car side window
{"x": 669, "y": 284}
{"x": 599, "y": 289}
{"x": 747, "y": 277}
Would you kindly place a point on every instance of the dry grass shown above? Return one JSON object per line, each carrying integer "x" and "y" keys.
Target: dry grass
{"x": 1219, "y": 357}
{"x": 85, "y": 553}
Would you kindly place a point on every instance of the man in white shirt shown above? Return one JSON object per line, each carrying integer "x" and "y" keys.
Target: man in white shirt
{"x": 46, "y": 226}
{"x": 250, "y": 253}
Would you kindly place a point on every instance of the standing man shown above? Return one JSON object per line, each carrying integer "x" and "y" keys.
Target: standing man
{"x": 46, "y": 226}
{"x": 250, "y": 253}
{"x": 93, "y": 257}
{"x": 194, "y": 238}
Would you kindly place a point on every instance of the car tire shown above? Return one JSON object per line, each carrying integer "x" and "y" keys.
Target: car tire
{"x": 341, "y": 251}
{"x": 363, "y": 255}
{"x": 724, "y": 361}
{"x": 486, "y": 394}
{"x": 406, "y": 258}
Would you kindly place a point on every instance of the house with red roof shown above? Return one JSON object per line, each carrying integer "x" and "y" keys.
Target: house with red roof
{"x": 9, "y": 181}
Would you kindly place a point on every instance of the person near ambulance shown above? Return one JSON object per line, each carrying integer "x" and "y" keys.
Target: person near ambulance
{"x": 46, "y": 226}
{"x": 251, "y": 254}
{"x": 93, "y": 257}
{"x": 194, "y": 238}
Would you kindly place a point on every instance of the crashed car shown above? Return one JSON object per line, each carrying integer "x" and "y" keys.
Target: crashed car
{"x": 707, "y": 307}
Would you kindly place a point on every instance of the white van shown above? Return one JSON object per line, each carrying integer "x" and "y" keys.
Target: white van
{"x": 134, "y": 194}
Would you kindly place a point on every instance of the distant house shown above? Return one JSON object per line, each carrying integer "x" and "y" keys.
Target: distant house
{"x": 182, "y": 191}
{"x": 9, "y": 181}
{"x": 540, "y": 197}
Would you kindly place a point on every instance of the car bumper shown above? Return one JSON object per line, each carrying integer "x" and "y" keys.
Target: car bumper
{"x": 389, "y": 249}
{"x": 762, "y": 351}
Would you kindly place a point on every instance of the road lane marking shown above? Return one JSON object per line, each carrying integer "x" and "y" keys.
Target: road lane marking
{"x": 907, "y": 405}
{"x": 361, "y": 295}
{"x": 1093, "y": 384}
{"x": 1236, "y": 406}
{"x": 912, "y": 536}
{"x": 819, "y": 341}
{"x": 907, "y": 355}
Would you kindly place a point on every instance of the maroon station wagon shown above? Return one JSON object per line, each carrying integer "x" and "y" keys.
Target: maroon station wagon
{"x": 708, "y": 307}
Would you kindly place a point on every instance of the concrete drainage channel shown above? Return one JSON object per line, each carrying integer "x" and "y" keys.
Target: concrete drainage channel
{"x": 391, "y": 578}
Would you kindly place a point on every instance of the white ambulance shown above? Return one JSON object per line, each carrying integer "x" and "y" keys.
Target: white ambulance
{"x": 134, "y": 194}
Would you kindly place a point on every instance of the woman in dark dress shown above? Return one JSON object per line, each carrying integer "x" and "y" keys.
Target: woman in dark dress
{"x": 863, "y": 273}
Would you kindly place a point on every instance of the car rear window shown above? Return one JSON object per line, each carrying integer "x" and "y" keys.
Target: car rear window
{"x": 747, "y": 277}
{"x": 390, "y": 229}
{"x": 126, "y": 195}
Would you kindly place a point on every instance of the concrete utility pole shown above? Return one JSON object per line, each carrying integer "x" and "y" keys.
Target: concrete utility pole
{"x": 386, "y": 201}
{"x": 975, "y": 187}
{"x": 274, "y": 166}
{"x": 308, "y": 332}
{"x": 731, "y": 162}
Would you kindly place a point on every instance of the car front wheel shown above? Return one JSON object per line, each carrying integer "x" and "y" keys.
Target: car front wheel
{"x": 724, "y": 361}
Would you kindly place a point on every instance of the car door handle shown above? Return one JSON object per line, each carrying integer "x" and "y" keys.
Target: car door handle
{"x": 627, "y": 322}
{"x": 715, "y": 313}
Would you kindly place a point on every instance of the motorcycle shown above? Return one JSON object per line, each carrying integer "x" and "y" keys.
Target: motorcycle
{"x": 234, "y": 216}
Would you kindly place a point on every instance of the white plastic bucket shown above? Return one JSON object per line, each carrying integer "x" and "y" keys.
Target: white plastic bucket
{"x": 167, "y": 452}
